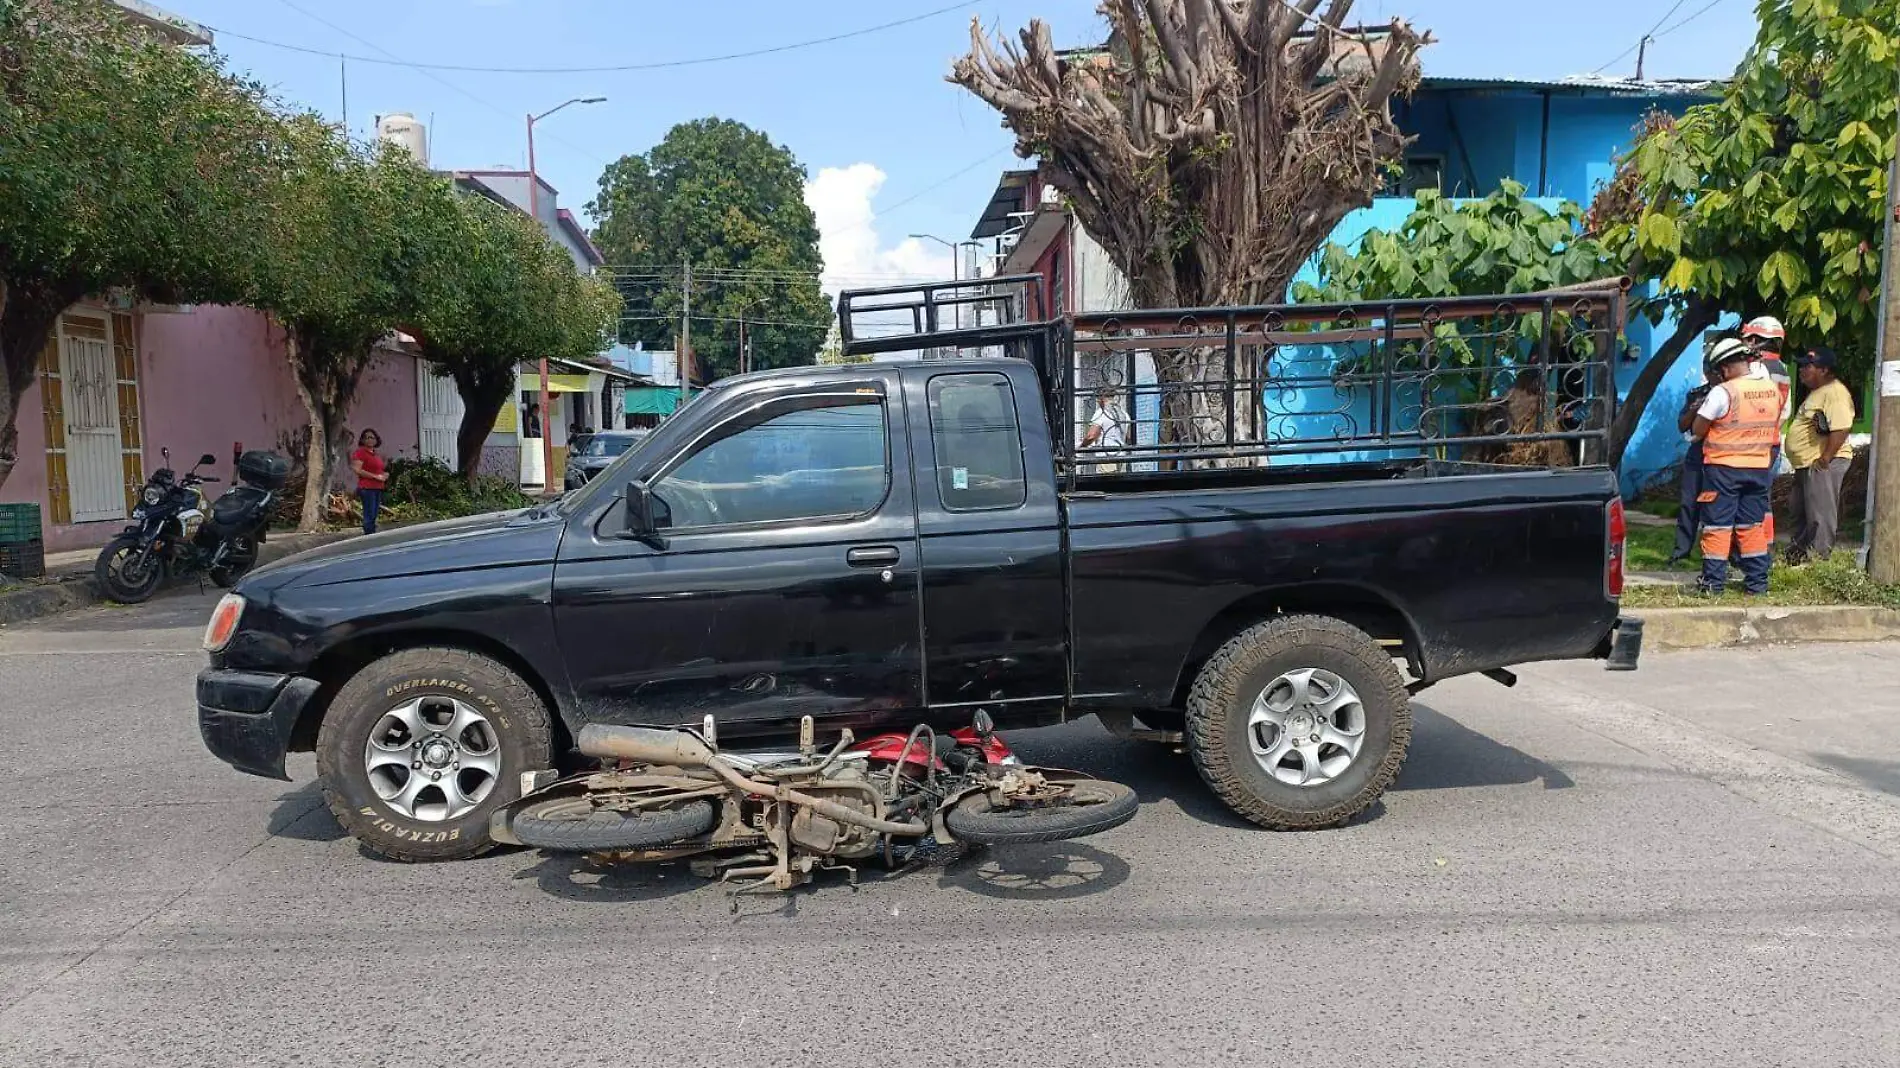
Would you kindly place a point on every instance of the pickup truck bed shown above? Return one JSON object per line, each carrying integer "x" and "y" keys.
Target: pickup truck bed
{"x": 1466, "y": 573}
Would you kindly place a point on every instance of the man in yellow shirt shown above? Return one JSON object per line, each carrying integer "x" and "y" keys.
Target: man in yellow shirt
{"x": 1818, "y": 451}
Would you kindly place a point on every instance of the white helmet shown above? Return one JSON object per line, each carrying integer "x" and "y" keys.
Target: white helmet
{"x": 1766, "y": 327}
{"x": 1727, "y": 350}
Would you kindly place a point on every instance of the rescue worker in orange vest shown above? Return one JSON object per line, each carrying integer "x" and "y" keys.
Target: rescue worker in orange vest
{"x": 1739, "y": 427}
{"x": 1765, "y": 335}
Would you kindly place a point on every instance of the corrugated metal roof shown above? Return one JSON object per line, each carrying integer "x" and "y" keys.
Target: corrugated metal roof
{"x": 1580, "y": 85}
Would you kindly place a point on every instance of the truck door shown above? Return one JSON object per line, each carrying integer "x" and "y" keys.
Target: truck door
{"x": 788, "y": 580}
{"x": 991, "y": 543}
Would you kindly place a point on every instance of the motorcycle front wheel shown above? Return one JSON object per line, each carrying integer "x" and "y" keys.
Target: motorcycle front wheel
{"x": 126, "y": 573}
{"x": 1093, "y": 806}
{"x": 237, "y": 563}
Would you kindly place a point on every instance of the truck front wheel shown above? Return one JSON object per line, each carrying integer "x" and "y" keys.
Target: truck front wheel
{"x": 419, "y": 747}
{"x": 1299, "y": 723}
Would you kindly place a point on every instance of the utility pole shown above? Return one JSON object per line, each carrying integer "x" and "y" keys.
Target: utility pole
{"x": 1883, "y": 467}
{"x": 1642, "y": 49}
{"x": 686, "y": 328}
{"x": 745, "y": 344}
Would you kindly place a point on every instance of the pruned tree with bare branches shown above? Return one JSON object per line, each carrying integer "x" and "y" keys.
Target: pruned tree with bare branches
{"x": 1211, "y": 146}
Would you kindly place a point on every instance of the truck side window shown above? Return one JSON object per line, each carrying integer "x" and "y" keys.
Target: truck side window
{"x": 817, "y": 461}
{"x": 979, "y": 450}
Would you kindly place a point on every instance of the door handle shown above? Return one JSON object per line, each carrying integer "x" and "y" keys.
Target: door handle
{"x": 871, "y": 556}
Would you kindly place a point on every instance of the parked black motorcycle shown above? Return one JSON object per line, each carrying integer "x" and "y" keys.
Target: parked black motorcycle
{"x": 174, "y": 532}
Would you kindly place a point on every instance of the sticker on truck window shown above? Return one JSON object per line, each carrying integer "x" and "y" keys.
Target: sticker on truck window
{"x": 960, "y": 478}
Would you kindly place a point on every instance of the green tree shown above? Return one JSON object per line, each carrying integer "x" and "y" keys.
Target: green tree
{"x": 125, "y": 163}
{"x": 508, "y": 294}
{"x": 349, "y": 243}
{"x": 719, "y": 195}
{"x": 1769, "y": 200}
{"x": 1504, "y": 243}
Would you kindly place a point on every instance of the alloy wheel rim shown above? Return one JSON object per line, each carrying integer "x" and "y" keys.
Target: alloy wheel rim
{"x": 432, "y": 759}
{"x": 1306, "y": 727}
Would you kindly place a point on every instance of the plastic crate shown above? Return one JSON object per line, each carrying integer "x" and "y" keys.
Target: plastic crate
{"x": 23, "y": 559}
{"x": 19, "y": 522}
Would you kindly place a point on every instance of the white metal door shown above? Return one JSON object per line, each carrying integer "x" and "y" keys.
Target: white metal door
{"x": 438, "y": 414}
{"x": 94, "y": 456}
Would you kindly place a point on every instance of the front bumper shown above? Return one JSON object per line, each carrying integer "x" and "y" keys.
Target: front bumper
{"x": 1623, "y": 645}
{"x": 247, "y": 717}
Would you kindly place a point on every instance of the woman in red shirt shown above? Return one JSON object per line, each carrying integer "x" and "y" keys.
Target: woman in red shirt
{"x": 370, "y": 476}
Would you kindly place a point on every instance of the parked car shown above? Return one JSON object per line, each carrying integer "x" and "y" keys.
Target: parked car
{"x": 878, "y": 543}
{"x": 601, "y": 448}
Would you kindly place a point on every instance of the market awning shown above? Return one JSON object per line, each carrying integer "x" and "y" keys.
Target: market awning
{"x": 652, "y": 400}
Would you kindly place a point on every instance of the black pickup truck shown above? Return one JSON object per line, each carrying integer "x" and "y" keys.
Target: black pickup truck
{"x": 879, "y": 543}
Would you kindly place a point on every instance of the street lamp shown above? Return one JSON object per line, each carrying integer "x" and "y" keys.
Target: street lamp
{"x": 956, "y": 254}
{"x": 534, "y": 212}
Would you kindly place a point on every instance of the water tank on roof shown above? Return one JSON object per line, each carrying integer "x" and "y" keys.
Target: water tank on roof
{"x": 401, "y": 128}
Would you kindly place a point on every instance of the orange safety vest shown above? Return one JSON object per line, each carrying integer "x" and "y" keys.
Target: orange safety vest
{"x": 1746, "y": 436}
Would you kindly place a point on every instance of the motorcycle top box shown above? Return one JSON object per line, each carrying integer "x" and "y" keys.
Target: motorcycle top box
{"x": 263, "y": 469}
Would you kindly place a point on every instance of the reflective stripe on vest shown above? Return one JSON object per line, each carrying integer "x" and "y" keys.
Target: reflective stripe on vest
{"x": 1745, "y": 436}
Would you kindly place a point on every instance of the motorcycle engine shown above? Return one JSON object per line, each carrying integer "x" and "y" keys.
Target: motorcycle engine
{"x": 845, "y": 783}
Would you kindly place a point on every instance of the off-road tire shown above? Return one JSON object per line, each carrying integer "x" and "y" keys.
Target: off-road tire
{"x": 552, "y": 824}
{"x": 1106, "y": 805}
{"x": 1222, "y": 697}
{"x": 516, "y": 712}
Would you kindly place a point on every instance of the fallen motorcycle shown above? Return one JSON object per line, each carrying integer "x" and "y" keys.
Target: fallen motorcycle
{"x": 775, "y": 817}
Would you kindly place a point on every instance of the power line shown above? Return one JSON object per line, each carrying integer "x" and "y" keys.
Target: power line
{"x": 1698, "y": 13}
{"x": 940, "y": 183}
{"x": 1656, "y": 31}
{"x": 397, "y": 61}
{"x": 444, "y": 82}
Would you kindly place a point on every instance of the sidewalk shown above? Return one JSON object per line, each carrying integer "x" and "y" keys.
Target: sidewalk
{"x": 68, "y": 583}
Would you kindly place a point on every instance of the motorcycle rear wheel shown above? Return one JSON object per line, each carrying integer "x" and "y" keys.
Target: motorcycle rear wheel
{"x": 237, "y": 563}
{"x": 1094, "y": 806}
{"x": 578, "y": 825}
{"x": 110, "y": 571}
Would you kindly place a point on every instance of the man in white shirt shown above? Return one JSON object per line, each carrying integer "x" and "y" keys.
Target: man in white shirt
{"x": 1105, "y": 429}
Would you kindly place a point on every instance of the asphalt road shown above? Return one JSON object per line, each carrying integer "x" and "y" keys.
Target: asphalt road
{"x": 1690, "y": 865}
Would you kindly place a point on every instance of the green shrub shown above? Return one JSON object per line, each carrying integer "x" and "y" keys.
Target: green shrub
{"x": 426, "y": 489}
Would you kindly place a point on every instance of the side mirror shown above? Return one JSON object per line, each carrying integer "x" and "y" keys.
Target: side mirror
{"x": 207, "y": 458}
{"x": 637, "y": 508}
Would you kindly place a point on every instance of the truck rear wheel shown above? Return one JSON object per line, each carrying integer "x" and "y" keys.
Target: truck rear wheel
{"x": 421, "y": 746}
{"x": 1299, "y": 723}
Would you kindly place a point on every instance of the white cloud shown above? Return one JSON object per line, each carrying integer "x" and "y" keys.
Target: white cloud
{"x": 856, "y": 254}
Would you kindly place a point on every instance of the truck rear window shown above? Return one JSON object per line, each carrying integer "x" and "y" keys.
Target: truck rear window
{"x": 979, "y": 450}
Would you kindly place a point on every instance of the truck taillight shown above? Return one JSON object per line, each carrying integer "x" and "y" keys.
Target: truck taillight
{"x": 1619, "y": 532}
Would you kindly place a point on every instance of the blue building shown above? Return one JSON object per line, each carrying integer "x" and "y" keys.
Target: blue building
{"x": 1560, "y": 139}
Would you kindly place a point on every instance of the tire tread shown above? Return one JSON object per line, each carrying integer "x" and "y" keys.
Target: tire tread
{"x": 1214, "y": 692}
{"x": 531, "y": 716}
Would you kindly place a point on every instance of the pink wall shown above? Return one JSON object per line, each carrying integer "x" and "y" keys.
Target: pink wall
{"x": 208, "y": 379}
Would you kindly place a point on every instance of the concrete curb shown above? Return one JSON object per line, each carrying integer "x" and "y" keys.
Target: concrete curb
{"x": 75, "y": 591}
{"x": 1717, "y": 626}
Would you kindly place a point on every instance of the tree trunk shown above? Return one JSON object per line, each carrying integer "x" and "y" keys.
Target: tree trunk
{"x": 326, "y": 380}
{"x": 483, "y": 391}
{"x": 1698, "y": 316}
{"x": 27, "y": 316}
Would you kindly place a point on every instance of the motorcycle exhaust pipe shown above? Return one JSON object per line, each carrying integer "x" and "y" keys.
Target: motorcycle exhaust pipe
{"x": 644, "y": 745}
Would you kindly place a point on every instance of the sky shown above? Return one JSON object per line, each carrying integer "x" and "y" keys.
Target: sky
{"x": 890, "y": 148}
